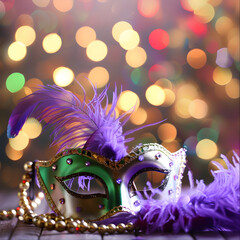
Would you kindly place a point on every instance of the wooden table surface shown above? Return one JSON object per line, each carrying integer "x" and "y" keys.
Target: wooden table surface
{"x": 17, "y": 230}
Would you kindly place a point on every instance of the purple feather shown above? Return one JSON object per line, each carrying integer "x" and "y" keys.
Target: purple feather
{"x": 76, "y": 123}
{"x": 214, "y": 207}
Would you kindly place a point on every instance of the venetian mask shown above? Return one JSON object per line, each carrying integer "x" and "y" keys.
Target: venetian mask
{"x": 80, "y": 183}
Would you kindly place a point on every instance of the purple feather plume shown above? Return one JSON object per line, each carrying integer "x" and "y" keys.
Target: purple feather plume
{"x": 76, "y": 123}
{"x": 215, "y": 207}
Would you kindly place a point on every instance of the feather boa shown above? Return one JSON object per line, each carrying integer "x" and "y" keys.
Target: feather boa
{"x": 215, "y": 207}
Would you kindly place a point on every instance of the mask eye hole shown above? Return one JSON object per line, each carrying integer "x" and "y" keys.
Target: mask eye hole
{"x": 84, "y": 185}
{"x": 156, "y": 177}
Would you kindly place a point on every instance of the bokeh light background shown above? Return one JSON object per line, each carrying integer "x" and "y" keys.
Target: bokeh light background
{"x": 175, "y": 59}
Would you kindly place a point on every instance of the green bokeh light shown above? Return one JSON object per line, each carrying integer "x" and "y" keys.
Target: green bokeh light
{"x": 139, "y": 76}
{"x": 208, "y": 133}
{"x": 15, "y": 82}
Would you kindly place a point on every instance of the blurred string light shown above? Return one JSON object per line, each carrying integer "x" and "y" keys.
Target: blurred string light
{"x": 63, "y": 6}
{"x": 139, "y": 76}
{"x": 198, "y": 109}
{"x": 2, "y": 9}
{"x": 97, "y": 50}
{"x": 32, "y": 127}
{"x": 34, "y": 84}
{"x": 167, "y": 132}
{"x": 159, "y": 39}
{"x": 206, "y": 12}
{"x": 13, "y": 154}
{"x": 177, "y": 38}
{"x": 208, "y": 133}
{"x": 128, "y": 100}
{"x": 169, "y": 97}
{"x": 223, "y": 58}
{"x": 191, "y": 143}
{"x": 99, "y": 76}
{"x": 17, "y": 51}
{"x": 139, "y": 117}
{"x": 119, "y": 28}
{"x": 136, "y": 57}
{"x": 129, "y": 39}
{"x": 41, "y": 3}
{"x": 232, "y": 88}
{"x": 85, "y": 35}
{"x": 222, "y": 76}
{"x": 25, "y": 20}
{"x": 182, "y": 108}
{"x": 206, "y": 149}
{"x": 196, "y": 58}
{"x": 20, "y": 141}
{"x": 148, "y": 8}
{"x": 52, "y": 43}
{"x": 15, "y": 82}
{"x": 155, "y": 95}
{"x": 223, "y": 24}
{"x": 63, "y": 76}
{"x": 25, "y": 35}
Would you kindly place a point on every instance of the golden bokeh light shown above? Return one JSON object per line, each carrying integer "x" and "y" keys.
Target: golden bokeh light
{"x": 25, "y": 35}
{"x": 41, "y": 3}
{"x": 182, "y": 108}
{"x": 52, "y": 43}
{"x": 63, "y": 6}
{"x": 167, "y": 132}
{"x": 176, "y": 37}
{"x": 120, "y": 27}
{"x": 12, "y": 153}
{"x": 27, "y": 90}
{"x": 63, "y": 76}
{"x": 223, "y": 24}
{"x": 85, "y": 35}
{"x": 32, "y": 127}
{"x": 155, "y": 95}
{"x": 222, "y": 76}
{"x": 97, "y": 50}
{"x": 128, "y": 100}
{"x": 232, "y": 88}
{"x": 19, "y": 142}
{"x": 148, "y": 8}
{"x": 17, "y": 51}
{"x": 136, "y": 57}
{"x": 196, "y": 4}
{"x": 205, "y": 13}
{"x": 196, "y": 58}
{"x": 99, "y": 76}
{"x": 187, "y": 91}
{"x": 206, "y": 149}
{"x": 234, "y": 46}
{"x": 25, "y": 19}
{"x": 139, "y": 116}
{"x": 198, "y": 109}
{"x": 129, "y": 39}
{"x": 169, "y": 97}
{"x": 34, "y": 84}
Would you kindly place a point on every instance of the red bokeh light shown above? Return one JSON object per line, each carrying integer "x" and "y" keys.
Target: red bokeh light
{"x": 197, "y": 27}
{"x": 159, "y": 39}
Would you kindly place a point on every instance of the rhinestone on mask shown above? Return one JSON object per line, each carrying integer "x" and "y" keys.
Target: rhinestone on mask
{"x": 141, "y": 158}
{"x": 78, "y": 209}
{"x": 54, "y": 167}
{"x": 69, "y": 161}
{"x": 62, "y": 200}
{"x": 118, "y": 181}
{"x": 101, "y": 206}
{"x": 52, "y": 186}
{"x": 87, "y": 164}
{"x": 158, "y": 155}
{"x": 136, "y": 203}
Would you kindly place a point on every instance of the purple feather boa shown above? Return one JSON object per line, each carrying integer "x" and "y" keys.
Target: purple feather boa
{"x": 215, "y": 207}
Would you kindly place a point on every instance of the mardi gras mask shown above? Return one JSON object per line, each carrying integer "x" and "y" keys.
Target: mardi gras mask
{"x": 81, "y": 183}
